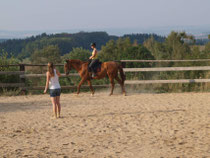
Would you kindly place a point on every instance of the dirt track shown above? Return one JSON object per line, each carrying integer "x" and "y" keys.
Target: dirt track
{"x": 138, "y": 125}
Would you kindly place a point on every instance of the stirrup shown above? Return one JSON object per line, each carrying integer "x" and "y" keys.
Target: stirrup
{"x": 93, "y": 75}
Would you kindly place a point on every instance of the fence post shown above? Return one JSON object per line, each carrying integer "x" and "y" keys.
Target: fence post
{"x": 22, "y": 80}
{"x": 22, "y": 67}
{"x": 123, "y": 64}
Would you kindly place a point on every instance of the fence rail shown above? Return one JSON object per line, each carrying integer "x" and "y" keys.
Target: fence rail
{"x": 66, "y": 87}
{"x": 123, "y": 61}
{"x": 12, "y": 85}
{"x": 44, "y": 75}
{"x": 12, "y": 72}
{"x": 197, "y": 68}
{"x": 24, "y": 75}
{"x": 164, "y": 61}
{"x": 136, "y": 82}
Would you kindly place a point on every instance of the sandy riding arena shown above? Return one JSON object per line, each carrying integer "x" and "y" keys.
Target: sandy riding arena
{"x": 133, "y": 126}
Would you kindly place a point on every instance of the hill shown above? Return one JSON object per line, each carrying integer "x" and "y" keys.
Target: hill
{"x": 2, "y": 40}
{"x": 23, "y": 48}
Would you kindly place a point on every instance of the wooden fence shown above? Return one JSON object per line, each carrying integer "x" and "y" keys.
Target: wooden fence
{"x": 23, "y": 75}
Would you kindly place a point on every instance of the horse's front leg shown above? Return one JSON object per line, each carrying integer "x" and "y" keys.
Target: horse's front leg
{"x": 90, "y": 85}
{"x": 80, "y": 83}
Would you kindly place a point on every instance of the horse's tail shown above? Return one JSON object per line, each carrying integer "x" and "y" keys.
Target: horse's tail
{"x": 122, "y": 74}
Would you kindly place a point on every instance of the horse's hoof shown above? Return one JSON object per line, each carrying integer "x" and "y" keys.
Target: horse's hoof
{"x": 76, "y": 94}
{"x": 110, "y": 94}
{"x": 92, "y": 95}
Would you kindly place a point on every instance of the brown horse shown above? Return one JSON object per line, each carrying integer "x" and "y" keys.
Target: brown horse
{"x": 109, "y": 69}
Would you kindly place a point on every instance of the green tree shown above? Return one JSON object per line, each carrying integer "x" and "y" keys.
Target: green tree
{"x": 138, "y": 52}
{"x": 207, "y": 50}
{"x": 124, "y": 49}
{"x": 150, "y": 44}
{"x": 4, "y": 60}
{"x": 78, "y": 53}
{"x": 49, "y": 53}
{"x": 157, "y": 49}
{"x": 176, "y": 46}
{"x": 115, "y": 50}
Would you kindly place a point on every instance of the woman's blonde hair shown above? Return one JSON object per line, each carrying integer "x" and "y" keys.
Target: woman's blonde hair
{"x": 51, "y": 69}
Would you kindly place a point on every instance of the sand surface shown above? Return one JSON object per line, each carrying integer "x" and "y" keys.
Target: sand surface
{"x": 135, "y": 126}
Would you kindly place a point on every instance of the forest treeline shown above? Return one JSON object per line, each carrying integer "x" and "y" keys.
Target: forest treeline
{"x": 24, "y": 48}
{"x": 2, "y": 40}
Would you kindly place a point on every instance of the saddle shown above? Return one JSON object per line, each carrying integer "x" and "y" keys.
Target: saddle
{"x": 96, "y": 66}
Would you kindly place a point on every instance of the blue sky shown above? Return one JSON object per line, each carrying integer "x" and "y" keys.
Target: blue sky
{"x": 101, "y": 14}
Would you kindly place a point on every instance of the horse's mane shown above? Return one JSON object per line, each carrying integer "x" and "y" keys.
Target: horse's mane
{"x": 78, "y": 61}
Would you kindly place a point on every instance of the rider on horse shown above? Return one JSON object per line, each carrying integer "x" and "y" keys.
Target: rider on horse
{"x": 94, "y": 59}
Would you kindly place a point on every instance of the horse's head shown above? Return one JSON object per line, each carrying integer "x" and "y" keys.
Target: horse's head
{"x": 67, "y": 67}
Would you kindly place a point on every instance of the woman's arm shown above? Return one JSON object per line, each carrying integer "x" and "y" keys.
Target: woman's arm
{"x": 47, "y": 82}
{"x": 58, "y": 73}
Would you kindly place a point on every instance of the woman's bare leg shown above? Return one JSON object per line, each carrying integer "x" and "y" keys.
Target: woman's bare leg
{"x": 53, "y": 99}
{"x": 58, "y": 105}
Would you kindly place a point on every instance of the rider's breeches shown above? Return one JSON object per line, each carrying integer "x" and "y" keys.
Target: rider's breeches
{"x": 92, "y": 64}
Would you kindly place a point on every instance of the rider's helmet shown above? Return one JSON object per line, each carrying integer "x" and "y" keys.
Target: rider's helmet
{"x": 93, "y": 44}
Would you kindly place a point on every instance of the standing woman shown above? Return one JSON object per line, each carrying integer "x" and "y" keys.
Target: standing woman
{"x": 52, "y": 81}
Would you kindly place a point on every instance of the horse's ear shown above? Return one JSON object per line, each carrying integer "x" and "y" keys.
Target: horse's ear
{"x": 66, "y": 61}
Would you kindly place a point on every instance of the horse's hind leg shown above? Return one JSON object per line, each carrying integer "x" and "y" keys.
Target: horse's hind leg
{"x": 121, "y": 84}
{"x": 112, "y": 84}
{"x": 90, "y": 85}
